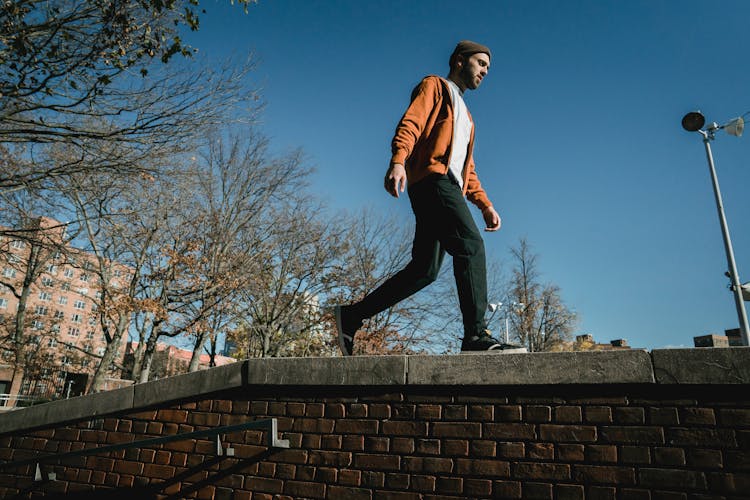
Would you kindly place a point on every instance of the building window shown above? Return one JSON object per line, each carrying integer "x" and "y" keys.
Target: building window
{"x": 41, "y": 310}
{"x": 9, "y": 272}
{"x": 74, "y": 332}
{"x": 59, "y": 315}
{"x": 3, "y": 303}
{"x": 85, "y": 363}
{"x": 76, "y": 318}
{"x": 62, "y": 300}
{"x": 87, "y": 348}
{"x": 68, "y": 273}
{"x": 100, "y": 351}
{"x": 52, "y": 342}
{"x": 36, "y": 339}
{"x": 46, "y": 296}
{"x": 47, "y": 281}
{"x": 55, "y": 329}
{"x": 52, "y": 269}
{"x": 65, "y": 360}
{"x": 90, "y": 335}
{"x": 84, "y": 277}
{"x": 83, "y": 291}
{"x": 79, "y": 304}
{"x": 37, "y": 325}
{"x": 92, "y": 320}
{"x": 18, "y": 244}
{"x": 65, "y": 287}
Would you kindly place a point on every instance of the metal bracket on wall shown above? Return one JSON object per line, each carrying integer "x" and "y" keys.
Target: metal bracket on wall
{"x": 270, "y": 425}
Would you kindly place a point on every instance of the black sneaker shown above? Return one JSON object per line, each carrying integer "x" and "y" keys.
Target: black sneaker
{"x": 346, "y": 329}
{"x": 482, "y": 342}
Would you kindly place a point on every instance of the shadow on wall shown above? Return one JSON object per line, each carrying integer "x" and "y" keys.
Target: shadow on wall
{"x": 164, "y": 490}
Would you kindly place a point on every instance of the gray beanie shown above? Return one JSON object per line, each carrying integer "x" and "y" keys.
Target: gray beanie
{"x": 467, "y": 48}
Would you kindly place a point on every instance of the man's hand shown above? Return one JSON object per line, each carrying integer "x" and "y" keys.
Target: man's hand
{"x": 491, "y": 219}
{"x": 395, "y": 179}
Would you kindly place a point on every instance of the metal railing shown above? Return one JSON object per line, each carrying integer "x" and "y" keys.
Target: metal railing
{"x": 270, "y": 425}
{"x": 18, "y": 401}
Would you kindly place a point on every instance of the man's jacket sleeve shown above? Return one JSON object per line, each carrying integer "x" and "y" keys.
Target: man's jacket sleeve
{"x": 423, "y": 100}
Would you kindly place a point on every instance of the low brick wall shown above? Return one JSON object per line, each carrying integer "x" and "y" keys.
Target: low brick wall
{"x": 605, "y": 425}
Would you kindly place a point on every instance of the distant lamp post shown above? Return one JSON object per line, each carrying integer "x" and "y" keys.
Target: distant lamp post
{"x": 494, "y": 307}
{"x": 694, "y": 122}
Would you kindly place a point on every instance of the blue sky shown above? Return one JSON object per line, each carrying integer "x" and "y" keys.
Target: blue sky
{"x": 578, "y": 142}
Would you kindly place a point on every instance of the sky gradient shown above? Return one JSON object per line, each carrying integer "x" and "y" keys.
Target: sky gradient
{"x": 578, "y": 136}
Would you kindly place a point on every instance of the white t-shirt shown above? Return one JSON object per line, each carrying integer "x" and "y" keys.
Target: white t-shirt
{"x": 461, "y": 134}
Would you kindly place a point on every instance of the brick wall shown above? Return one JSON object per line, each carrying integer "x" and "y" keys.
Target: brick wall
{"x": 566, "y": 441}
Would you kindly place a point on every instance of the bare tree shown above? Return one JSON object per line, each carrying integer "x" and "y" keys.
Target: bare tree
{"x": 543, "y": 320}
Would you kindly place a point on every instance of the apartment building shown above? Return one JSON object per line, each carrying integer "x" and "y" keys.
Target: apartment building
{"x": 50, "y": 347}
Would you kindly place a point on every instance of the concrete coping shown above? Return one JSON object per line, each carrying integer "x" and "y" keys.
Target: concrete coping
{"x": 660, "y": 367}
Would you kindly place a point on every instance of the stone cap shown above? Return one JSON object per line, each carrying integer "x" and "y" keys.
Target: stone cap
{"x": 725, "y": 366}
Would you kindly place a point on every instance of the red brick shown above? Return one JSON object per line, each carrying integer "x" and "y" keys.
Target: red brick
{"x": 506, "y": 489}
{"x": 637, "y": 494}
{"x": 316, "y": 425}
{"x": 663, "y": 416}
{"x": 305, "y": 473}
{"x": 669, "y": 456}
{"x": 601, "y": 493}
{"x": 629, "y": 415}
{"x": 428, "y": 446}
{"x": 705, "y": 459}
{"x": 377, "y": 444}
{"x": 402, "y": 428}
{"x": 495, "y": 468}
{"x": 291, "y": 456}
{"x": 380, "y": 411}
{"x": 671, "y": 478}
{"x": 346, "y": 426}
{"x": 343, "y": 493}
{"x": 397, "y": 495}
{"x": 353, "y": 443}
{"x": 174, "y": 416}
{"x": 482, "y": 413}
{"x": 567, "y": 433}
{"x": 427, "y": 464}
{"x": 402, "y": 446}
{"x": 631, "y": 435}
{"x": 304, "y": 489}
{"x": 508, "y": 431}
{"x": 264, "y": 485}
{"x": 598, "y": 414}
{"x": 397, "y": 481}
{"x": 335, "y": 410}
{"x": 538, "y": 470}
{"x": 635, "y": 455}
{"x": 510, "y": 450}
{"x": 537, "y": 491}
{"x": 377, "y": 462}
{"x": 421, "y": 483}
{"x": 483, "y": 449}
{"x": 455, "y": 412}
{"x": 697, "y": 416}
{"x": 568, "y": 414}
{"x": 604, "y": 474}
{"x": 428, "y": 412}
{"x": 373, "y": 479}
{"x": 350, "y": 477}
{"x": 331, "y": 458}
{"x": 508, "y": 413}
{"x": 259, "y": 408}
{"x": 569, "y": 492}
{"x": 477, "y": 487}
{"x": 540, "y": 451}
{"x": 449, "y": 485}
{"x": 537, "y": 414}
{"x": 734, "y": 417}
{"x": 126, "y": 467}
{"x": 404, "y": 411}
{"x": 158, "y": 471}
{"x": 699, "y": 438}
{"x": 279, "y": 471}
{"x": 604, "y": 453}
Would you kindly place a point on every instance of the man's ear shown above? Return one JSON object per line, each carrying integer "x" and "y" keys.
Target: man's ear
{"x": 459, "y": 60}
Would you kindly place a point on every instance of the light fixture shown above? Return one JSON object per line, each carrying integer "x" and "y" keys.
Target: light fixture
{"x": 694, "y": 122}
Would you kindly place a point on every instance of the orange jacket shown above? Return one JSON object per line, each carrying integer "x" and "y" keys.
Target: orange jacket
{"x": 424, "y": 137}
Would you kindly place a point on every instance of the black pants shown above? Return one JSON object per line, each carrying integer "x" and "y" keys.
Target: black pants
{"x": 444, "y": 224}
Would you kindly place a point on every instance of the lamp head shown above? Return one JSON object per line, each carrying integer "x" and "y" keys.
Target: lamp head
{"x": 735, "y": 127}
{"x": 693, "y": 121}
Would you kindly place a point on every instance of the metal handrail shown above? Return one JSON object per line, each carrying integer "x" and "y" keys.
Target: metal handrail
{"x": 271, "y": 425}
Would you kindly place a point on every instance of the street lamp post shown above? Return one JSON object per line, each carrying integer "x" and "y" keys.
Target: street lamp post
{"x": 496, "y": 306}
{"x": 693, "y": 122}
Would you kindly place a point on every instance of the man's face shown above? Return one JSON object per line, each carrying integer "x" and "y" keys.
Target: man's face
{"x": 474, "y": 69}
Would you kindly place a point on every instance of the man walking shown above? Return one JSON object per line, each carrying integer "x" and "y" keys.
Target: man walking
{"x": 432, "y": 151}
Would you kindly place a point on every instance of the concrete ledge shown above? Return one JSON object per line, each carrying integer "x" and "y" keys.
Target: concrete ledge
{"x": 356, "y": 370}
{"x": 591, "y": 367}
{"x": 67, "y": 410}
{"x": 729, "y": 365}
{"x": 189, "y": 385}
{"x": 663, "y": 366}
